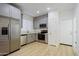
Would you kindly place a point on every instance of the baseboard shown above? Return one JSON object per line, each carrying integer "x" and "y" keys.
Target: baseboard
{"x": 27, "y": 43}
{"x": 53, "y": 45}
{"x": 23, "y": 45}
{"x": 31, "y": 42}
{"x": 41, "y": 41}
{"x": 65, "y": 44}
{"x": 11, "y": 52}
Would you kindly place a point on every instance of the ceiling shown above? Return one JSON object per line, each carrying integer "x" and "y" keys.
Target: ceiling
{"x": 32, "y": 8}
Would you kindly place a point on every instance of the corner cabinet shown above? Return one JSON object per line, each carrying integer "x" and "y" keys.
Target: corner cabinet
{"x": 5, "y": 10}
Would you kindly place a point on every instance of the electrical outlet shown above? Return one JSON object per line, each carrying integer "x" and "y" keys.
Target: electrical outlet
{"x": 75, "y": 42}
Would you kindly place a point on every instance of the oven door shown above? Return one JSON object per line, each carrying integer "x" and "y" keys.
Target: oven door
{"x": 41, "y": 36}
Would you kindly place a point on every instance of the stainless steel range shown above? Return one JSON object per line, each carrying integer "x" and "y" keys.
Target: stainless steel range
{"x": 41, "y": 36}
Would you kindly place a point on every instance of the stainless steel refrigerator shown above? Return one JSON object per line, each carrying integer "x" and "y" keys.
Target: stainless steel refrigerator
{"x": 9, "y": 35}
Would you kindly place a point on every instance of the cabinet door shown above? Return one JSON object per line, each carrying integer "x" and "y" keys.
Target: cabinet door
{"x": 15, "y": 12}
{"x": 29, "y": 38}
{"x": 33, "y": 37}
{"x": 4, "y": 10}
{"x": 23, "y": 40}
{"x": 46, "y": 38}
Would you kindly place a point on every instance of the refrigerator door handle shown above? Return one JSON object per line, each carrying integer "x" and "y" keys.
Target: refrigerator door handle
{"x": 9, "y": 31}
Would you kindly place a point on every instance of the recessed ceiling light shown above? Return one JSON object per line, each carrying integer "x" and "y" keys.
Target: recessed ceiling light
{"x": 38, "y": 12}
{"x": 48, "y": 8}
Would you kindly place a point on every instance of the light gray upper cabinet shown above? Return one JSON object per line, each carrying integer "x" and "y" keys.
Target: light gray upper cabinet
{"x": 10, "y": 11}
{"x": 15, "y": 12}
{"x": 40, "y": 20}
{"x": 23, "y": 40}
{"x": 4, "y": 10}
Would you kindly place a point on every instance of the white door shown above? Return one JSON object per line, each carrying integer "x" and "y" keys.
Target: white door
{"x": 66, "y": 32}
{"x": 53, "y": 22}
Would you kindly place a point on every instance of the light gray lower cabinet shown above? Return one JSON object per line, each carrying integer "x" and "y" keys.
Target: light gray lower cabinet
{"x": 30, "y": 38}
{"x": 36, "y": 36}
{"x": 23, "y": 40}
{"x": 46, "y": 38}
{"x": 33, "y": 37}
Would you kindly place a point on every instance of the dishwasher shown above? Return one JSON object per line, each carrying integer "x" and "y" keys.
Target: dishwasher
{"x": 23, "y": 40}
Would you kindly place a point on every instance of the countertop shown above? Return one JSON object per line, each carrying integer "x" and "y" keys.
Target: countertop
{"x": 23, "y": 34}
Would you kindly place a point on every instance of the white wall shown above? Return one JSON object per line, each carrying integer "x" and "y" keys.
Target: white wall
{"x": 66, "y": 17}
{"x": 55, "y": 21}
{"x": 66, "y": 32}
{"x": 76, "y": 31}
{"x": 27, "y": 24}
{"x": 74, "y": 35}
